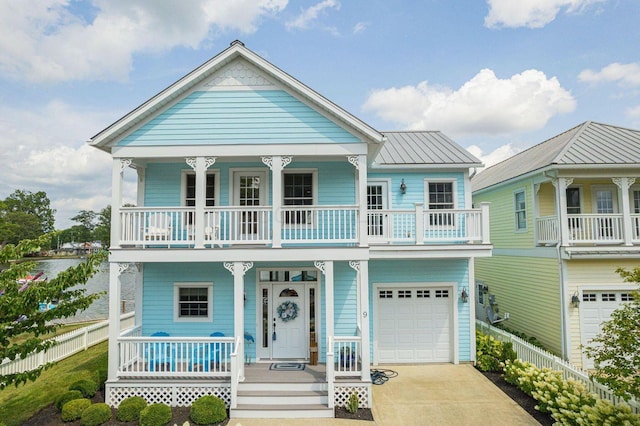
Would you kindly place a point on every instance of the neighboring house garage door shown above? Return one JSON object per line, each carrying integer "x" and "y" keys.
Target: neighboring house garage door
{"x": 413, "y": 324}
{"x": 595, "y": 308}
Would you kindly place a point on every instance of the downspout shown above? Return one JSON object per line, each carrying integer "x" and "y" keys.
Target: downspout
{"x": 564, "y": 315}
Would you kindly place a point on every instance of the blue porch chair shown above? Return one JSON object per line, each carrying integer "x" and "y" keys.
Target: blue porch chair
{"x": 160, "y": 355}
{"x": 206, "y": 354}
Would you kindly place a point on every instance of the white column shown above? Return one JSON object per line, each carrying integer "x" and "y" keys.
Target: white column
{"x": 115, "y": 270}
{"x": 238, "y": 269}
{"x": 276, "y": 163}
{"x": 138, "y": 295}
{"x": 472, "y": 307}
{"x": 117, "y": 172}
{"x": 419, "y": 237}
{"x": 624, "y": 184}
{"x": 140, "y": 190}
{"x": 486, "y": 222}
{"x": 326, "y": 267}
{"x": 362, "y": 268}
{"x": 561, "y": 185}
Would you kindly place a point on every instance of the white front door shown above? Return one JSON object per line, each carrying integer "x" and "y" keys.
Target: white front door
{"x": 250, "y": 191}
{"x": 289, "y": 324}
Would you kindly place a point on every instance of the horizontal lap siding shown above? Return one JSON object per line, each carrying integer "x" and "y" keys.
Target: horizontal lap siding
{"x": 158, "y": 299}
{"x": 424, "y": 272}
{"x": 502, "y": 216}
{"x": 244, "y": 116}
{"x": 529, "y": 289}
{"x": 415, "y": 192}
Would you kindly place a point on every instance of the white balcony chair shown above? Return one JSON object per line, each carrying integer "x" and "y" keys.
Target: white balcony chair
{"x": 158, "y": 228}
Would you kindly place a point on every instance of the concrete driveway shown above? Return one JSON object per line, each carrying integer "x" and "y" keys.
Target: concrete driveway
{"x": 440, "y": 394}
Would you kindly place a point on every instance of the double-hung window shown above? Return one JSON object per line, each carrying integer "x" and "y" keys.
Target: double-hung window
{"x": 193, "y": 301}
{"x": 520, "y": 204}
{"x": 440, "y": 196}
{"x": 189, "y": 192}
{"x": 298, "y": 191}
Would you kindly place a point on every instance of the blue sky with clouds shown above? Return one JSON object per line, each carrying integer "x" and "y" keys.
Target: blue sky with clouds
{"x": 496, "y": 75}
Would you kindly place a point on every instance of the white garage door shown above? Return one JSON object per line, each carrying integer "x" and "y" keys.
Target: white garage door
{"x": 414, "y": 324}
{"x": 595, "y": 308}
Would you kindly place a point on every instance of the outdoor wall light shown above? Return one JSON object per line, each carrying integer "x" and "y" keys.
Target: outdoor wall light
{"x": 575, "y": 300}
{"x": 464, "y": 296}
{"x": 403, "y": 187}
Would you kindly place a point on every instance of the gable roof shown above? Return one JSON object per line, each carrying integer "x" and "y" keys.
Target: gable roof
{"x": 588, "y": 144}
{"x": 423, "y": 148}
{"x": 108, "y": 136}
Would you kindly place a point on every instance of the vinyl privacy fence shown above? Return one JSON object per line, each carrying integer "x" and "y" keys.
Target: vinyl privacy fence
{"x": 544, "y": 359}
{"x": 68, "y": 344}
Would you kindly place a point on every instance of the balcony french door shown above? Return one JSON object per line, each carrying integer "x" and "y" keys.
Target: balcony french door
{"x": 250, "y": 191}
{"x": 377, "y": 200}
{"x": 606, "y": 202}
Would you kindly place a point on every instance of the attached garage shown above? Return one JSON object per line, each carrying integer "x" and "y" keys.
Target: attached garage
{"x": 595, "y": 308}
{"x": 414, "y": 324}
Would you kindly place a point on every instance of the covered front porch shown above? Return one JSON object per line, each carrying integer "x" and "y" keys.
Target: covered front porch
{"x": 177, "y": 367}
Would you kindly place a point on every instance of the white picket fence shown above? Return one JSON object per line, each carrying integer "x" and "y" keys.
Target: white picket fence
{"x": 544, "y": 359}
{"x": 67, "y": 345}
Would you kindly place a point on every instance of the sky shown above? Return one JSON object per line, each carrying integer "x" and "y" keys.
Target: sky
{"x": 497, "y": 76}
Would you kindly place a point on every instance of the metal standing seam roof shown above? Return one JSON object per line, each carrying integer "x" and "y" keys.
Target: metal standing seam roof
{"x": 423, "y": 148}
{"x": 588, "y": 144}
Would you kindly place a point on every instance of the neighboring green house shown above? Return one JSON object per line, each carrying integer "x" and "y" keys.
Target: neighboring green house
{"x": 564, "y": 215}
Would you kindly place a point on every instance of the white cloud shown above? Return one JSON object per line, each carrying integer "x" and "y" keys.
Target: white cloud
{"x": 43, "y": 40}
{"x": 497, "y": 155}
{"x": 633, "y": 112}
{"x": 360, "y": 27}
{"x": 485, "y": 104}
{"x": 625, "y": 74}
{"x": 530, "y": 13}
{"x": 48, "y": 153}
{"x": 309, "y": 15}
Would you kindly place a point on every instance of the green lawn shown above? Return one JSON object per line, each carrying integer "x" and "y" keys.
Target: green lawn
{"x": 21, "y": 403}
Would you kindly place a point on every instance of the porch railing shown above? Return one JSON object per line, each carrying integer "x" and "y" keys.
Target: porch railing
{"x": 347, "y": 352}
{"x": 588, "y": 229}
{"x": 227, "y": 226}
{"x": 151, "y": 356}
{"x": 424, "y": 226}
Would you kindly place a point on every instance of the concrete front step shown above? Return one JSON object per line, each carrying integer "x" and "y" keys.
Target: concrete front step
{"x": 258, "y": 411}
{"x": 282, "y": 400}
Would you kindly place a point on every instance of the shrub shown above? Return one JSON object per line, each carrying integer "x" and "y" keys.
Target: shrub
{"x": 66, "y": 397}
{"x": 155, "y": 415}
{"x": 86, "y": 386}
{"x": 130, "y": 408}
{"x": 491, "y": 353}
{"x": 352, "y": 405}
{"x": 605, "y": 413}
{"x": 208, "y": 409}
{"x": 95, "y": 415}
{"x": 100, "y": 377}
{"x": 72, "y": 410}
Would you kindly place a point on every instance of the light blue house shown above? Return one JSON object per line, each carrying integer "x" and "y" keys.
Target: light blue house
{"x": 292, "y": 231}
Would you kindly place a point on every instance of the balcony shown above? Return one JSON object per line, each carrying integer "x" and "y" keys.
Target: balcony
{"x": 597, "y": 229}
{"x": 175, "y": 227}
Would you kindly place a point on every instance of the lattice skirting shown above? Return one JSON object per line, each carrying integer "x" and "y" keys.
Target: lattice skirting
{"x": 174, "y": 394}
{"x": 342, "y": 393}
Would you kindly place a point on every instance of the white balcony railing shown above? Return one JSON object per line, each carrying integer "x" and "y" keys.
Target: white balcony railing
{"x": 588, "y": 229}
{"x": 174, "y": 356}
{"x": 227, "y": 226}
{"x": 348, "y": 357}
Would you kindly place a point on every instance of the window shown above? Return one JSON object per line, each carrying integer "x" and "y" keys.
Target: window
{"x": 298, "y": 191}
{"x": 404, "y": 294}
{"x": 385, "y": 294}
{"x": 190, "y": 190}
{"x": 588, "y": 297}
{"x": 193, "y": 301}
{"x": 521, "y": 210}
{"x": 440, "y": 197}
{"x": 636, "y": 201}
{"x": 442, "y": 294}
{"x": 573, "y": 201}
{"x": 608, "y": 297}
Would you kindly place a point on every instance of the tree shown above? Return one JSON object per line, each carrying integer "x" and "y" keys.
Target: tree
{"x": 85, "y": 218}
{"x": 19, "y": 304}
{"x": 35, "y": 204}
{"x": 102, "y": 231}
{"x": 616, "y": 349}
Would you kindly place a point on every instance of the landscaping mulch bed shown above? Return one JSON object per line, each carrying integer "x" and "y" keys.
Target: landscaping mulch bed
{"x": 521, "y": 398}
{"x": 361, "y": 414}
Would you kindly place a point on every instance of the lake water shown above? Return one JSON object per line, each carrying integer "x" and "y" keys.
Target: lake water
{"x": 99, "y": 309}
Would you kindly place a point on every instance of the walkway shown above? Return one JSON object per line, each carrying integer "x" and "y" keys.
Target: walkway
{"x": 442, "y": 394}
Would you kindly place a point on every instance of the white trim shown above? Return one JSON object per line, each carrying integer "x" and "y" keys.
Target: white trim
{"x": 454, "y": 190}
{"x": 386, "y": 187}
{"x": 264, "y": 183}
{"x": 314, "y": 192}
{"x": 515, "y": 211}
{"x": 453, "y": 298}
{"x": 614, "y": 197}
{"x": 176, "y": 301}
{"x": 600, "y": 287}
